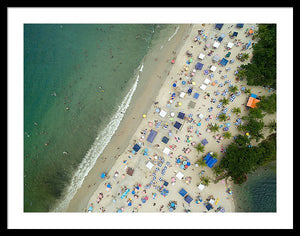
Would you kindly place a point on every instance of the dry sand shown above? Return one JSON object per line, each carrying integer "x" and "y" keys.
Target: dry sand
{"x": 127, "y": 136}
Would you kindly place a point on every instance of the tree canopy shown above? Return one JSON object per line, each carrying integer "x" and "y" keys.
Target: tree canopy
{"x": 262, "y": 68}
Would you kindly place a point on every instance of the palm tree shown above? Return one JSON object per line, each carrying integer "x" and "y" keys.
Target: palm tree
{"x": 215, "y": 155}
{"x": 244, "y": 56}
{"x": 236, "y": 110}
{"x": 225, "y": 101}
{"x": 227, "y": 135}
{"x": 247, "y": 91}
{"x": 205, "y": 180}
{"x": 214, "y": 128}
{"x": 233, "y": 89}
{"x": 272, "y": 126}
{"x": 199, "y": 148}
{"x": 201, "y": 162}
{"x": 222, "y": 117}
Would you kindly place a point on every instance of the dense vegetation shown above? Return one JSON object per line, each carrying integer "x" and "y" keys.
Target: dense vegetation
{"x": 241, "y": 158}
{"x": 262, "y": 69}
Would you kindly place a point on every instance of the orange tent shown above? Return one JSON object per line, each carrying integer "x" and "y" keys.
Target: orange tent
{"x": 251, "y": 31}
{"x": 252, "y": 102}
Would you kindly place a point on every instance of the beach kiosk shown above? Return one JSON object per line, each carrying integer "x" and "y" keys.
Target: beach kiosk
{"x": 252, "y": 101}
{"x": 209, "y": 160}
{"x": 206, "y": 81}
{"x": 149, "y": 165}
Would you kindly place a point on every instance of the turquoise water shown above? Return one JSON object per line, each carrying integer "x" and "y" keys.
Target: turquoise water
{"x": 75, "y": 78}
{"x": 258, "y": 194}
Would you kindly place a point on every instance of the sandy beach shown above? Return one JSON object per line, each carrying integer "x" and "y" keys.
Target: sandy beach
{"x": 155, "y": 183}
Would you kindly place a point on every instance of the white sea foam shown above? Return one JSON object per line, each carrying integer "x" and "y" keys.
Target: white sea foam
{"x": 177, "y": 28}
{"x": 97, "y": 148}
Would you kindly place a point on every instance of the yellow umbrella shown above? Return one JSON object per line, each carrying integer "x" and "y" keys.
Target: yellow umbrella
{"x": 193, "y": 83}
{"x": 144, "y": 116}
{"x": 179, "y": 104}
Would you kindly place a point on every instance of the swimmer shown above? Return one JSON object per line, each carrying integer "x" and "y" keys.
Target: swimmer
{"x": 65, "y": 153}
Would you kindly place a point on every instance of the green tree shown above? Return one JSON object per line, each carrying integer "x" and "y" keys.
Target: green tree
{"x": 222, "y": 117}
{"x": 268, "y": 104}
{"x": 227, "y": 135}
{"x": 236, "y": 110}
{"x": 214, "y": 128}
{"x": 262, "y": 69}
{"x": 199, "y": 148}
{"x": 272, "y": 126}
{"x": 225, "y": 101}
{"x": 233, "y": 89}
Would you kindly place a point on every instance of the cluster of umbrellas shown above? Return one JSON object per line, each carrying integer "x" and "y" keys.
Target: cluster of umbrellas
{"x": 184, "y": 162}
{"x": 172, "y": 205}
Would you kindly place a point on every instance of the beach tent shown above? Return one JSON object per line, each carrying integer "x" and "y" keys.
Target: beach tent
{"x": 213, "y": 68}
{"x": 201, "y": 187}
{"x": 136, "y": 147}
{"x": 234, "y": 34}
{"x": 209, "y": 160}
{"x": 220, "y": 39}
{"x": 151, "y": 136}
{"x": 188, "y": 199}
{"x": 239, "y": 25}
{"x": 163, "y": 113}
{"x": 209, "y": 206}
{"x": 206, "y": 81}
{"x": 182, "y": 192}
{"x": 253, "y": 95}
{"x": 201, "y": 56}
{"x": 252, "y": 102}
{"x": 166, "y": 151}
{"x": 129, "y": 171}
{"x": 196, "y": 95}
{"x": 165, "y": 140}
{"x": 198, "y": 66}
{"x": 219, "y": 26}
{"x": 177, "y": 125}
{"x": 216, "y": 58}
{"x": 204, "y": 141}
{"x": 192, "y": 104}
{"x": 179, "y": 175}
{"x": 224, "y": 62}
{"x": 182, "y": 94}
{"x": 216, "y": 44}
{"x": 181, "y": 115}
{"x": 203, "y": 87}
{"x": 230, "y": 45}
{"x": 149, "y": 165}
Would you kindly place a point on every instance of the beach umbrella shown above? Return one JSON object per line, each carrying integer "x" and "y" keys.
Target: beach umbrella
{"x": 172, "y": 61}
{"x": 174, "y": 85}
{"x": 103, "y": 175}
{"x": 144, "y": 116}
{"x": 183, "y": 82}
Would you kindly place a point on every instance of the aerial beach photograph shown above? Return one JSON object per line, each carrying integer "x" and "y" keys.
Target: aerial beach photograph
{"x": 150, "y": 119}
{"x": 200, "y": 123}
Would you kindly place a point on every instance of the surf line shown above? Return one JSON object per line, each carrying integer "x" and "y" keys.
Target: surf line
{"x": 97, "y": 148}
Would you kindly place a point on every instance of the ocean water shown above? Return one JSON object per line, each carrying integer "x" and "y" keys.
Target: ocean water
{"x": 78, "y": 83}
{"x": 258, "y": 194}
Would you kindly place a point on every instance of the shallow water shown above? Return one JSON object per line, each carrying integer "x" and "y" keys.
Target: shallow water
{"x": 258, "y": 194}
{"x": 75, "y": 78}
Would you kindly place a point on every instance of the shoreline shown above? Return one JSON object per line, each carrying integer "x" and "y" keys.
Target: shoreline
{"x": 146, "y": 91}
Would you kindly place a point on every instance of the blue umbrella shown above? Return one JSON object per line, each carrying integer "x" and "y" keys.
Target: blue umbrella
{"x": 183, "y": 82}
{"x": 174, "y": 85}
{"x": 103, "y": 175}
